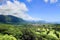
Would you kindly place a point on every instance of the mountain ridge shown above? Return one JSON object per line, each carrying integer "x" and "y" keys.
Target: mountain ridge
{"x": 9, "y": 19}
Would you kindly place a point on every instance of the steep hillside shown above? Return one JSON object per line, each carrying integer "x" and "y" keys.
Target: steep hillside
{"x": 10, "y": 19}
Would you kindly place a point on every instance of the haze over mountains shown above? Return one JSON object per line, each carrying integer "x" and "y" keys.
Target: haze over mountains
{"x": 16, "y": 12}
{"x": 16, "y": 8}
{"x": 15, "y": 20}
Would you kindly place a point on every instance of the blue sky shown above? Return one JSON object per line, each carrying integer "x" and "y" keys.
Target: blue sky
{"x": 48, "y": 10}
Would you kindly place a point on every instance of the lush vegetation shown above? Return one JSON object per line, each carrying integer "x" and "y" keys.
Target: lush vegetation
{"x": 30, "y": 32}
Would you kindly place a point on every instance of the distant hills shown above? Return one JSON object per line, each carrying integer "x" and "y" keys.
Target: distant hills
{"x": 10, "y": 19}
{"x": 15, "y": 20}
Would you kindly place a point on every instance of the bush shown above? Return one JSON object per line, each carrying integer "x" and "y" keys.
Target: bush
{"x": 7, "y": 37}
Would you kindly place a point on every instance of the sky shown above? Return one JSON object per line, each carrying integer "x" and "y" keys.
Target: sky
{"x": 48, "y": 10}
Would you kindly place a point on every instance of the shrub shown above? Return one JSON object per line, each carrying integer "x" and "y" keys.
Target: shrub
{"x": 7, "y": 37}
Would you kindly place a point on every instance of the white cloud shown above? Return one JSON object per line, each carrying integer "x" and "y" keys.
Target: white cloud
{"x": 16, "y": 8}
{"x": 29, "y": 0}
{"x": 53, "y": 1}
{"x": 46, "y": 1}
{"x": 50, "y": 1}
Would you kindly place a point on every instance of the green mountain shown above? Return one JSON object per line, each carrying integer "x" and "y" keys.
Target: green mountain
{"x": 10, "y": 19}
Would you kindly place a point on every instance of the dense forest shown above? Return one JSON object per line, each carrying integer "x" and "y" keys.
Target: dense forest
{"x": 30, "y": 32}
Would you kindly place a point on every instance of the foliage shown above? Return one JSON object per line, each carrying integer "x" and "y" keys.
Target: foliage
{"x": 29, "y": 32}
{"x": 7, "y": 37}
